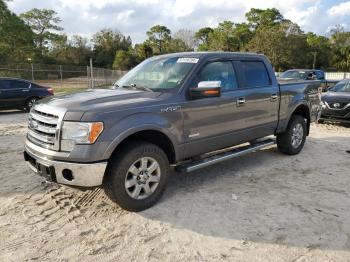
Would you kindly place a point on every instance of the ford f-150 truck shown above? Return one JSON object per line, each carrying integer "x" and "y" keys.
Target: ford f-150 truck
{"x": 180, "y": 111}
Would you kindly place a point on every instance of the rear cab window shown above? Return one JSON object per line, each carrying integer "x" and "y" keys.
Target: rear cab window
{"x": 254, "y": 74}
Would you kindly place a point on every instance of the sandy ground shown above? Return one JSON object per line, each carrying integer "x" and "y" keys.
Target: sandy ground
{"x": 261, "y": 207}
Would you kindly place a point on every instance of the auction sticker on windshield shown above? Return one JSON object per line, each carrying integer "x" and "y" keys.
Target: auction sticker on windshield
{"x": 187, "y": 60}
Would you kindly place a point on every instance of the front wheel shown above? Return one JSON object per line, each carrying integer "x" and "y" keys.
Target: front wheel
{"x": 292, "y": 141}
{"x": 137, "y": 175}
{"x": 29, "y": 103}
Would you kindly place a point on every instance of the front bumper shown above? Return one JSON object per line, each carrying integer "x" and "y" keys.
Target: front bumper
{"x": 335, "y": 119}
{"x": 335, "y": 115}
{"x": 68, "y": 173}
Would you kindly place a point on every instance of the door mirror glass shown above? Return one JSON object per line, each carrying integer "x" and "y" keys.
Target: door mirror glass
{"x": 311, "y": 77}
{"x": 206, "y": 89}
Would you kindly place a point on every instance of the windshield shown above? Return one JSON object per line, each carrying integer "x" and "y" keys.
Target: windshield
{"x": 294, "y": 74}
{"x": 342, "y": 86}
{"x": 157, "y": 74}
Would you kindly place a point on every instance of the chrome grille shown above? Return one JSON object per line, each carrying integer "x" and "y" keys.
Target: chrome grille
{"x": 43, "y": 129}
{"x": 335, "y": 105}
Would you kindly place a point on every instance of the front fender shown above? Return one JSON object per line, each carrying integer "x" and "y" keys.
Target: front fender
{"x": 142, "y": 122}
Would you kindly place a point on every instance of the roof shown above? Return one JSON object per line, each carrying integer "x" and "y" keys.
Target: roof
{"x": 296, "y": 69}
{"x": 210, "y": 53}
{"x": 13, "y": 78}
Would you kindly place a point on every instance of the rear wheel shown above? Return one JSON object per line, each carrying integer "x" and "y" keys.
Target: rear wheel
{"x": 29, "y": 103}
{"x": 292, "y": 141}
{"x": 137, "y": 176}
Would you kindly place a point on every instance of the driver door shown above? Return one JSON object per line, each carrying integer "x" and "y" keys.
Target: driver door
{"x": 209, "y": 122}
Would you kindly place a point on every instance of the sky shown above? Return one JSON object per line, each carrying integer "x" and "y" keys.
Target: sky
{"x": 135, "y": 17}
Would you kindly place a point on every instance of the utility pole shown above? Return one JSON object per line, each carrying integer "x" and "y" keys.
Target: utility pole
{"x": 91, "y": 74}
{"x": 61, "y": 76}
{"x": 314, "y": 63}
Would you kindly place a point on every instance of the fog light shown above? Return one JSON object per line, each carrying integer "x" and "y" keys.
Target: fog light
{"x": 67, "y": 174}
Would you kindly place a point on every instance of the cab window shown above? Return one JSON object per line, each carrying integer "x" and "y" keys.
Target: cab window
{"x": 13, "y": 84}
{"x": 219, "y": 71}
{"x": 5, "y": 84}
{"x": 255, "y": 74}
{"x": 19, "y": 84}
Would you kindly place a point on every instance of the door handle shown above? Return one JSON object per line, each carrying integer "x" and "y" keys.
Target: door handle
{"x": 25, "y": 90}
{"x": 274, "y": 97}
{"x": 240, "y": 101}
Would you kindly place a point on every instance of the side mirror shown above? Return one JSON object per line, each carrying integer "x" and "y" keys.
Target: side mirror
{"x": 206, "y": 89}
{"x": 311, "y": 77}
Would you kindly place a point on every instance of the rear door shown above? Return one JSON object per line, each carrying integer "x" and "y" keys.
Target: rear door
{"x": 3, "y": 101}
{"x": 259, "y": 99}
{"x": 13, "y": 92}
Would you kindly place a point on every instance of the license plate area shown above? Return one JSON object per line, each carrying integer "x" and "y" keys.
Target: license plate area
{"x": 48, "y": 172}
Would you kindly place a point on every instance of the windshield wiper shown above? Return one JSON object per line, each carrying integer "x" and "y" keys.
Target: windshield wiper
{"x": 134, "y": 86}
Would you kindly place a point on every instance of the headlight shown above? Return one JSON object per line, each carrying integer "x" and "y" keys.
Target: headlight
{"x": 79, "y": 133}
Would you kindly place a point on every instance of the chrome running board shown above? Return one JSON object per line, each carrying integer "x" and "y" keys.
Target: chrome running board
{"x": 236, "y": 152}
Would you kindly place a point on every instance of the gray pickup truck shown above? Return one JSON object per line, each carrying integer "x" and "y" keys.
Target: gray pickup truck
{"x": 180, "y": 111}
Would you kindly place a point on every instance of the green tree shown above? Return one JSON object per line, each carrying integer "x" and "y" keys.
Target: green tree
{"x": 263, "y": 17}
{"x": 340, "y": 42}
{"x": 124, "y": 60}
{"x": 143, "y": 51}
{"x": 243, "y": 34}
{"x": 282, "y": 44}
{"x": 73, "y": 50}
{"x": 82, "y": 50}
{"x": 105, "y": 45}
{"x": 224, "y": 38}
{"x": 44, "y": 23}
{"x": 159, "y": 37}
{"x": 319, "y": 53}
{"x": 177, "y": 45}
{"x": 202, "y": 36}
{"x": 16, "y": 38}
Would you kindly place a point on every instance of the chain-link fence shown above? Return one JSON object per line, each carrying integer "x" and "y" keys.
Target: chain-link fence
{"x": 330, "y": 75}
{"x": 68, "y": 76}
{"x": 62, "y": 76}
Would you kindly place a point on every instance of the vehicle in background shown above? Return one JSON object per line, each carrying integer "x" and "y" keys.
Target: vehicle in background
{"x": 336, "y": 103}
{"x": 21, "y": 94}
{"x": 181, "y": 110}
{"x": 307, "y": 74}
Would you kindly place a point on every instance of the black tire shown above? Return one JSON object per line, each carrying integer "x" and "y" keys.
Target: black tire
{"x": 118, "y": 170}
{"x": 320, "y": 121}
{"x": 284, "y": 140}
{"x": 29, "y": 103}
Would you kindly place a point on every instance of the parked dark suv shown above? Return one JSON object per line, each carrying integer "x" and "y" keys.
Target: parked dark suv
{"x": 20, "y": 94}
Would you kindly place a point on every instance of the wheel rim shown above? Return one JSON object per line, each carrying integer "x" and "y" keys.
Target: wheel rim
{"x": 142, "y": 178}
{"x": 297, "y": 135}
{"x": 31, "y": 102}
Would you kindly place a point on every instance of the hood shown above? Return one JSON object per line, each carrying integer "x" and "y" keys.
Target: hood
{"x": 341, "y": 97}
{"x": 95, "y": 99}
